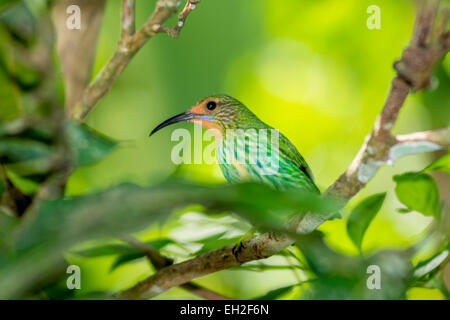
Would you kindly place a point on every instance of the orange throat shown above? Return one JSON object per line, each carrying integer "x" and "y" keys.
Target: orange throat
{"x": 212, "y": 126}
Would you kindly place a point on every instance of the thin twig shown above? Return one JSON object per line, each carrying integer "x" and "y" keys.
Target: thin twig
{"x": 128, "y": 17}
{"x": 413, "y": 72}
{"x": 175, "y": 31}
{"x": 129, "y": 44}
{"x": 12, "y": 200}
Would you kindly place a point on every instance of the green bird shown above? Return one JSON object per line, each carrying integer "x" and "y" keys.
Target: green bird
{"x": 247, "y": 149}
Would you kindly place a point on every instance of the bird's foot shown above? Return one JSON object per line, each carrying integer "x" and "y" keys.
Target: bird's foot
{"x": 237, "y": 248}
{"x": 240, "y": 244}
{"x": 272, "y": 235}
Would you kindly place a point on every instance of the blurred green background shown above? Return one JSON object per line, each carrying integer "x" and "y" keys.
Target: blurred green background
{"x": 311, "y": 69}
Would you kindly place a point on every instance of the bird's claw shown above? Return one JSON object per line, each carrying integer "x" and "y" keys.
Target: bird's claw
{"x": 239, "y": 246}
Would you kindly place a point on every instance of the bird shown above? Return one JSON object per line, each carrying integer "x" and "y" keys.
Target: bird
{"x": 237, "y": 132}
{"x": 247, "y": 149}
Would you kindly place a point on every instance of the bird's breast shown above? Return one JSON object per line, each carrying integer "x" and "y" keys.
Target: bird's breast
{"x": 233, "y": 169}
{"x": 239, "y": 156}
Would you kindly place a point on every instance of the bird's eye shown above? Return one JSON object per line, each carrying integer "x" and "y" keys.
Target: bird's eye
{"x": 211, "y": 105}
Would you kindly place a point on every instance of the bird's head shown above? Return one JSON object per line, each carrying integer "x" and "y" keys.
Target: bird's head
{"x": 215, "y": 113}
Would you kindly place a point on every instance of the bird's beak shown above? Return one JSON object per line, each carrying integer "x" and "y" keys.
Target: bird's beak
{"x": 185, "y": 116}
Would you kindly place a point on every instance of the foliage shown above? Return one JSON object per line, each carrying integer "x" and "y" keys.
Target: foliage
{"x": 418, "y": 192}
{"x": 361, "y": 216}
{"x": 441, "y": 164}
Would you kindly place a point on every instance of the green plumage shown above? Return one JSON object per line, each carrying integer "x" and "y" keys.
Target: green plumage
{"x": 290, "y": 171}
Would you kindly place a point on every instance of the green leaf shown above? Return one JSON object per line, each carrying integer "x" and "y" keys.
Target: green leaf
{"x": 440, "y": 164}
{"x": 106, "y": 250}
{"x": 264, "y": 267}
{"x": 210, "y": 238}
{"x": 125, "y": 258}
{"x": 18, "y": 20}
{"x": 121, "y": 249}
{"x": 217, "y": 244}
{"x": 8, "y": 92}
{"x": 7, "y": 223}
{"x": 277, "y": 293}
{"x": 60, "y": 224}
{"x": 16, "y": 149}
{"x": 134, "y": 254}
{"x": 27, "y": 186}
{"x": 418, "y": 192}
{"x": 339, "y": 276}
{"x": 403, "y": 210}
{"x": 361, "y": 216}
{"x": 426, "y": 267}
{"x": 6, "y": 3}
{"x": 88, "y": 146}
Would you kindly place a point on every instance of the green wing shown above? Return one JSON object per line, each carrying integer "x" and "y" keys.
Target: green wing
{"x": 290, "y": 154}
{"x": 288, "y": 151}
{"x": 293, "y": 171}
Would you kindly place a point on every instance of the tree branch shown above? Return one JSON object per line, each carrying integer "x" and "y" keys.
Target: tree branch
{"x": 175, "y": 31}
{"x": 159, "y": 262}
{"x": 77, "y": 49}
{"x": 425, "y": 50}
{"x": 129, "y": 44}
{"x": 128, "y": 17}
{"x": 439, "y": 137}
{"x": 12, "y": 200}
